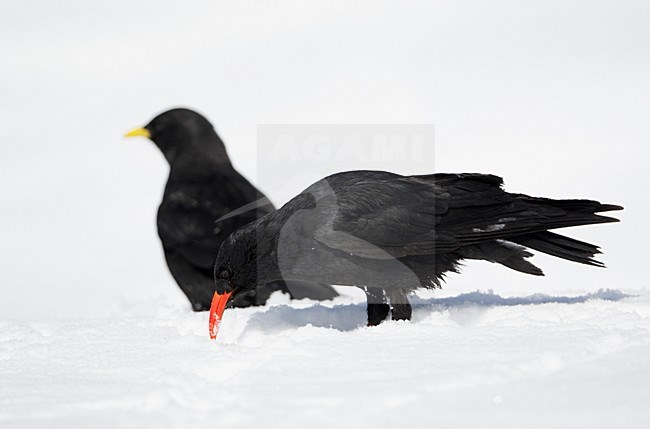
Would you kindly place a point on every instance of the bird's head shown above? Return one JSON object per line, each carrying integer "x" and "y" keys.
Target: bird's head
{"x": 246, "y": 260}
{"x": 178, "y": 130}
{"x": 235, "y": 270}
{"x": 235, "y": 273}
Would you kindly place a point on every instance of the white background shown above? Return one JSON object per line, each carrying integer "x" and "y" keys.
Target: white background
{"x": 552, "y": 95}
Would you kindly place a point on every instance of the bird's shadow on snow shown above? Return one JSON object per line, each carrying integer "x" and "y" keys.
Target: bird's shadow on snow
{"x": 347, "y": 317}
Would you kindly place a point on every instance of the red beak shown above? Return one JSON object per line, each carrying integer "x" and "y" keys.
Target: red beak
{"x": 216, "y": 312}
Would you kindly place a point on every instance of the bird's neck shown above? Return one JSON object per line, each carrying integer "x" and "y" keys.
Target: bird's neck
{"x": 265, "y": 237}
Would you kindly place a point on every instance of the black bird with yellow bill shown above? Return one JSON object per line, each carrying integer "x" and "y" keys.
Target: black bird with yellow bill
{"x": 204, "y": 201}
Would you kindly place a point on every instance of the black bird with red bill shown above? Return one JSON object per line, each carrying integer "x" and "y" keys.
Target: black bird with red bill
{"x": 390, "y": 235}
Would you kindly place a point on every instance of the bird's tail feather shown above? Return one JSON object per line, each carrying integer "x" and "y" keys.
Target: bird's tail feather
{"x": 579, "y": 206}
{"x": 502, "y": 252}
{"x": 530, "y": 230}
{"x": 542, "y": 214}
{"x": 561, "y": 247}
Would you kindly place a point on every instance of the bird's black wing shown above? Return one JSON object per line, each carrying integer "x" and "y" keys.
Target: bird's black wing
{"x": 395, "y": 216}
{"x": 384, "y": 217}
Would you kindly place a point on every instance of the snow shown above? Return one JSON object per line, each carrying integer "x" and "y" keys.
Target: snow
{"x": 472, "y": 360}
{"x": 553, "y": 96}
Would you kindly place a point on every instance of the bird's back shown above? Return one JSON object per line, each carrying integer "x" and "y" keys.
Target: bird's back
{"x": 370, "y": 220}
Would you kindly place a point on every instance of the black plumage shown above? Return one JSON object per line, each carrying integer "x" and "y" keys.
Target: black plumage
{"x": 203, "y": 187}
{"x": 391, "y": 234}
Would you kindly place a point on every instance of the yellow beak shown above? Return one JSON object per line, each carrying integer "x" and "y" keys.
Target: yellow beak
{"x": 138, "y": 132}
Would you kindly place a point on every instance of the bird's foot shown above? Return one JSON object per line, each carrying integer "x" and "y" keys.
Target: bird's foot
{"x": 378, "y": 307}
{"x": 400, "y": 305}
{"x": 402, "y": 311}
{"x": 377, "y": 313}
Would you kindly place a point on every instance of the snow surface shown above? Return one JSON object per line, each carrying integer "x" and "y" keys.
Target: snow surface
{"x": 473, "y": 360}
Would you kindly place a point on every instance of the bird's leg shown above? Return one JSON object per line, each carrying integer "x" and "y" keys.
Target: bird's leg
{"x": 378, "y": 308}
{"x": 400, "y": 305}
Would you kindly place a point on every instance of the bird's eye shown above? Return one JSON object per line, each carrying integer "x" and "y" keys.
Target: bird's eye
{"x": 224, "y": 274}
